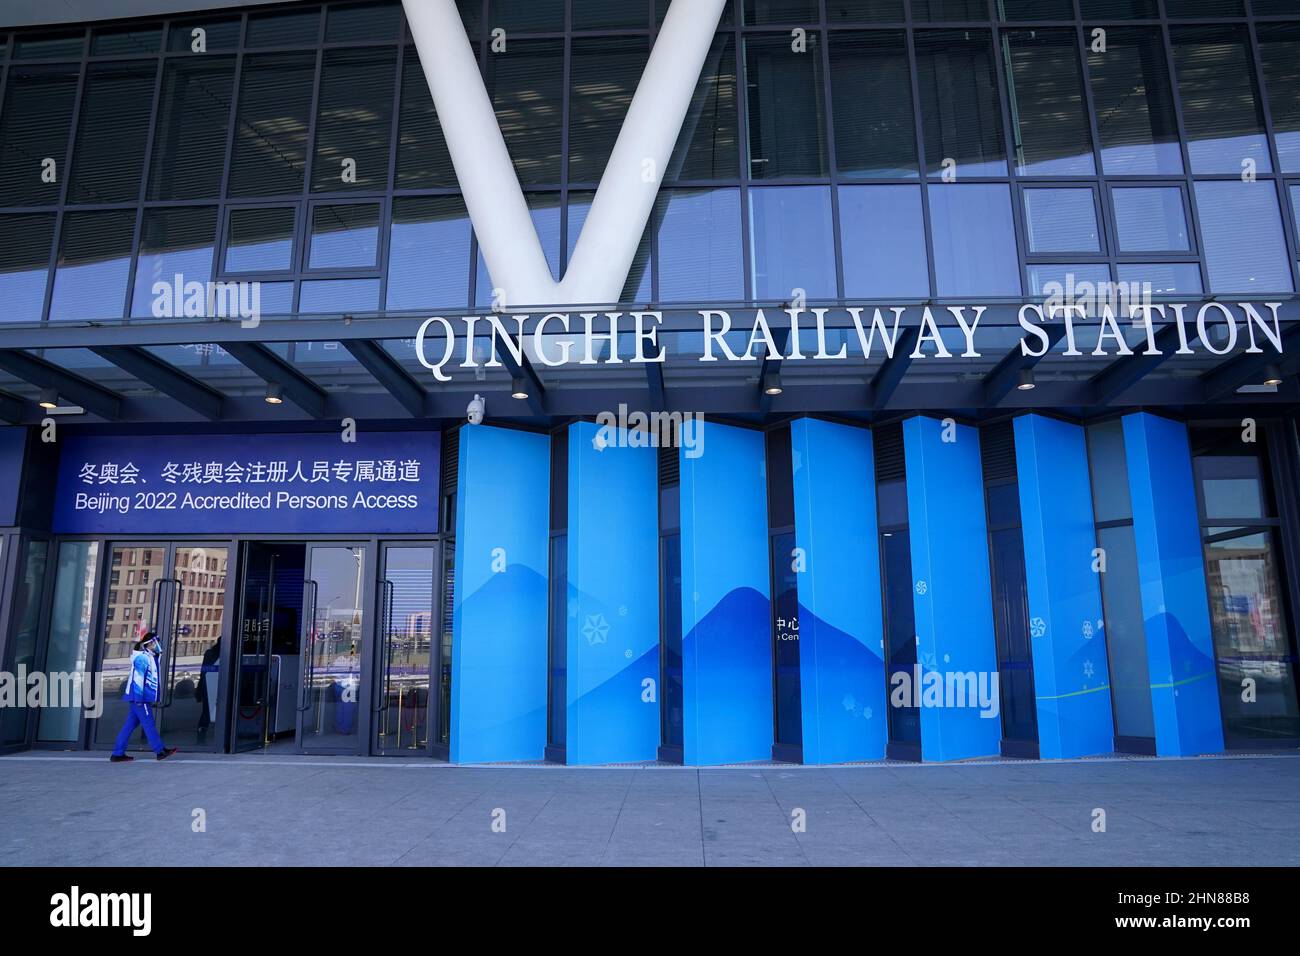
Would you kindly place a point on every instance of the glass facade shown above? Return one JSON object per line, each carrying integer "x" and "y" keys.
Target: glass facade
{"x": 303, "y": 144}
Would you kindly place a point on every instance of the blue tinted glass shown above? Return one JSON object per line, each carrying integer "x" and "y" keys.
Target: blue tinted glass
{"x": 344, "y": 236}
{"x": 1279, "y": 55}
{"x": 1108, "y": 463}
{"x": 175, "y": 250}
{"x": 260, "y": 240}
{"x": 276, "y": 297}
{"x": 1150, "y": 219}
{"x": 1165, "y": 278}
{"x": 1043, "y": 275}
{"x": 416, "y": 278}
{"x": 1048, "y": 115}
{"x": 1241, "y": 231}
{"x": 700, "y": 245}
{"x": 793, "y": 242}
{"x": 974, "y": 240}
{"x": 545, "y": 211}
{"x": 1134, "y": 101}
{"x": 339, "y": 295}
{"x": 94, "y": 259}
{"x": 882, "y": 235}
{"x": 637, "y": 286}
{"x": 1216, "y": 82}
{"x": 1295, "y": 206}
{"x": 1126, "y": 645}
{"x": 1061, "y": 220}
{"x": 24, "y": 266}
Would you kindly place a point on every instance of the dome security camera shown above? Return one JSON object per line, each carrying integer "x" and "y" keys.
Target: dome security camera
{"x": 474, "y": 412}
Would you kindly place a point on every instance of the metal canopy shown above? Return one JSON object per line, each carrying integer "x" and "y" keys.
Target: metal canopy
{"x": 373, "y": 375}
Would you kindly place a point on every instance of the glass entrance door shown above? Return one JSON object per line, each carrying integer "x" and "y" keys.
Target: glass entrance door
{"x": 405, "y": 651}
{"x": 178, "y": 591}
{"x": 332, "y": 715}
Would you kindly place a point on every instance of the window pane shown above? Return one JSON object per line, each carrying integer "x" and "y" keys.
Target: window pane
{"x": 344, "y": 236}
{"x": 124, "y": 41}
{"x": 1165, "y": 278}
{"x": 363, "y": 22}
{"x": 423, "y": 161}
{"x": 1250, "y": 637}
{"x": 1221, "y": 114}
{"x": 1061, "y": 220}
{"x": 527, "y": 87}
{"x": 1050, "y": 121}
{"x": 1150, "y": 219}
{"x": 959, "y": 103}
{"x": 69, "y": 631}
{"x": 936, "y": 10}
{"x": 94, "y": 258}
{"x": 864, "y": 11}
{"x": 1125, "y": 631}
{"x": 354, "y": 120}
{"x": 871, "y": 90}
{"x": 700, "y": 245}
{"x": 613, "y": 14}
{"x": 112, "y": 133}
{"x": 339, "y": 296}
{"x": 1044, "y": 279}
{"x": 34, "y": 126}
{"x": 260, "y": 240}
{"x": 1295, "y": 206}
{"x": 24, "y": 266}
{"x": 1120, "y": 9}
{"x": 1229, "y": 211}
{"x": 218, "y": 33}
{"x": 175, "y": 249}
{"x": 882, "y": 236}
{"x": 291, "y": 28}
{"x": 275, "y": 98}
{"x": 417, "y": 278}
{"x": 1035, "y": 9}
{"x": 189, "y": 149}
{"x": 1204, "y": 9}
{"x": 1108, "y": 463}
{"x": 603, "y": 76}
{"x": 787, "y": 115}
{"x": 637, "y": 286}
{"x": 780, "y": 11}
{"x": 1135, "y": 104}
{"x": 708, "y": 145}
{"x": 974, "y": 240}
{"x": 544, "y": 208}
{"x": 536, "y": 16}
{"x": 62, "y": 44}
{"x": 1279, "y": 54}
{"x": 792, "y": 242}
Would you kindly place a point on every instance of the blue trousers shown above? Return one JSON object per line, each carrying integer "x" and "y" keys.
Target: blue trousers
{"x": 140, "y": 715}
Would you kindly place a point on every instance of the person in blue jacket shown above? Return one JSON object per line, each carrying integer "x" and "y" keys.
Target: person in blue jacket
{"x": 141, "y": 694}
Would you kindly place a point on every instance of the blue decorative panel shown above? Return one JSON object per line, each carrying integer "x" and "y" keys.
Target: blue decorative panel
{"x": 726, "y": 613}
{"x": 841, "y": 641}
{"x": 1180, "y": 651}
{"x": 1071, "y": 677}
{"x": 613, "y": 613}
{"x": 951, "y": 591}
{"x": 498, "y": 654}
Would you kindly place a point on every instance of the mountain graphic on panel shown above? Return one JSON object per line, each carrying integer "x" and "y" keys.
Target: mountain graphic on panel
{"x": 848, "y": 694}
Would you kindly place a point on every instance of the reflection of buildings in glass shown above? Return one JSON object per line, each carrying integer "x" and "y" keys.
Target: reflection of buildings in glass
{"x": 130, "y": 597}
{"x": 202, "y": 574}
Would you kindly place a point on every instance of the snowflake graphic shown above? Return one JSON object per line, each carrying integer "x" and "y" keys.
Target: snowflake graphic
{"x": 866, "y": 712}
{"x": 628, "y": 653}
{"x": 922, "y": 587}
{"x": 596, "y": 630}
{"x": 849, "y": 702}
{"x": 1087, "y": 630}
{"x": 1087, "y": 668}
{"x": 622, "y": 611}
{"x": 927, "y": 662}
{"x": 1037, "y": 627}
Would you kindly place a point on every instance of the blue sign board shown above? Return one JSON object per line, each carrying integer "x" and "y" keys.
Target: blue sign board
{"x": 381, "y": 483}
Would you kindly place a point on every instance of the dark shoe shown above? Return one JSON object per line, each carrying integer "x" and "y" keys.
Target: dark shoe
{"x": 166, "y": 753}
{"x": 119, "y": 758}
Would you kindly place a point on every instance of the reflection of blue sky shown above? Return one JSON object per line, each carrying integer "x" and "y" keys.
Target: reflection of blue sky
{"x": 339, "y": 295}
{"x": 92, "y": 290}
{"x": 23, "y": 294}
{"x": 345, "y": 248}
{"x": 428, "y": 264}
{"x": 192, "y": 265}
{"x": 974, "y": 240}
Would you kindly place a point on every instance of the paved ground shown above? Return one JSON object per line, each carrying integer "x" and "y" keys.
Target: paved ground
{"x": 77, "y": 809}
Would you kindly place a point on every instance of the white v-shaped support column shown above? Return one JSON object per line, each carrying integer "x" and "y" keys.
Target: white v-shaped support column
{"x": 626, "y": 195}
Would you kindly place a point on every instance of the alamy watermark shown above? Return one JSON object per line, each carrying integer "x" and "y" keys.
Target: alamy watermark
{"x": 57, "y": 689}
{"x": 192, "y": 299}
{"x": 624, "y": 429}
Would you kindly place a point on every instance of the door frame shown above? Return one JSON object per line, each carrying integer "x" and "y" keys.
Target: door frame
{"x": 369, "y": 590}
{"x": 95, "y": 655}
{"x": 432, "y": 746}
